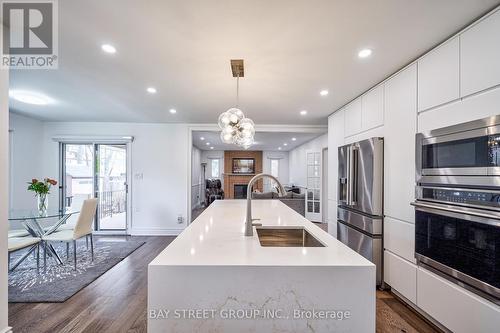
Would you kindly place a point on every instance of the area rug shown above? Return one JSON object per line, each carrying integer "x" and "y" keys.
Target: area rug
{"x": 60, "y": 282}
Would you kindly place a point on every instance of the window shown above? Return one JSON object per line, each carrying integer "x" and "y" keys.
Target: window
{"x": 275, "y": 167}
{"x": 215, "y": 168}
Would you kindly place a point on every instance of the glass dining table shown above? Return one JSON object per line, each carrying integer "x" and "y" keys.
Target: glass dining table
{"x": 39, "y": 225}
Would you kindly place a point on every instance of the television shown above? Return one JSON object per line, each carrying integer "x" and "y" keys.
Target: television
{"x": 244, "y": 165}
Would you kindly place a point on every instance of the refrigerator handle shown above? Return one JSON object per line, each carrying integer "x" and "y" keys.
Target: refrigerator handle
{"x": 354, "y": 178}
{"x": 350, "y": 175}
{"x": 343, "y": 185}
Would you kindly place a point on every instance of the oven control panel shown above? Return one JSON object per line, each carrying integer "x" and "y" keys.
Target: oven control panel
{"x": 460, "y": 196}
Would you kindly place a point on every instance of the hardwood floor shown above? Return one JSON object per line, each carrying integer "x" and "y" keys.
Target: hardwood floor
{"x": 394, "y": 316}
{"x": 117, "y": 302}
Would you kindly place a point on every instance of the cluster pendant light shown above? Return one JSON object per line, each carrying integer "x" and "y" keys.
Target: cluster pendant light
{"x": 236, "y": 129}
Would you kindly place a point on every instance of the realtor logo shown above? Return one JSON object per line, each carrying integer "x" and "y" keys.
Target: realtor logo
{"x": 29, "y": 34}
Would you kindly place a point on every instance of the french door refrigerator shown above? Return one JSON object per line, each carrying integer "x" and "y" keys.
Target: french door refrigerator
{"x": 360, "y": 199}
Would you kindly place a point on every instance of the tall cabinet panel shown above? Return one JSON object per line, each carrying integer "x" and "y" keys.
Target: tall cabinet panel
{"x": 479, "y": 52}
{"x": 399, "y": 144}
{"x": 335, "y": 139}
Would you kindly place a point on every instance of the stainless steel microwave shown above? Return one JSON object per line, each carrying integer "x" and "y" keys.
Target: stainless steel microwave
{"x": 455, "y": 154}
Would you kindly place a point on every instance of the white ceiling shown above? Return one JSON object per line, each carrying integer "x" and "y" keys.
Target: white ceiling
{"x": 269, "y": 141}
{"x": 292, "y": 49}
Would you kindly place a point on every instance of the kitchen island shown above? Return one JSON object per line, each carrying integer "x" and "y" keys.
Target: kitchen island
{"x": 212, "y": 278}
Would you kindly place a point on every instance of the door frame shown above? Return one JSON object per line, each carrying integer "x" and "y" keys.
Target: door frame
{"x": 128, "y": 146}
{"x": 324, "y": 185}
{"x": 315, "y": 217}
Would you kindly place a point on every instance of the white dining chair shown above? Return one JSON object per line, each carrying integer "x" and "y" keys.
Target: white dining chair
{"x": 19, "y": 243}
{"x": 83, "y": 227}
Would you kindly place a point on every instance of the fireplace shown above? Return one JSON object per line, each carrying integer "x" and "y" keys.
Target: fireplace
{"x": 239, "y": 168}
{"x": 240, "y": 191}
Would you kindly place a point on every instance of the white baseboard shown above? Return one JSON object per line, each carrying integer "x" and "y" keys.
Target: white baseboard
{"x": 155, "y": 232}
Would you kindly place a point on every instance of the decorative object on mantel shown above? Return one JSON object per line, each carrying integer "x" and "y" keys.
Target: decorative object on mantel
{"x": 236, "y": 129}
{"x": 41, "y": 189}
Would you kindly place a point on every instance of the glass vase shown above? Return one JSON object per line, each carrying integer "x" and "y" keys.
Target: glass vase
{"x": 42, "y": 203}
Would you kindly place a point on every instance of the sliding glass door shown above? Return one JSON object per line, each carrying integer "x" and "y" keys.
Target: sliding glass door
{"x": 100, "y": 171}
{"x": 111, "y": 186}
{"x": 78, "y": 177}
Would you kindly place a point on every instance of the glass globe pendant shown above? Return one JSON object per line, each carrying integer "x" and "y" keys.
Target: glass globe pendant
{"x": 235, "y": 128}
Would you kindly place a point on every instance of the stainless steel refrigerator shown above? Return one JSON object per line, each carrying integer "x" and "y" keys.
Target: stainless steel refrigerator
{"x": 360, "y": 199}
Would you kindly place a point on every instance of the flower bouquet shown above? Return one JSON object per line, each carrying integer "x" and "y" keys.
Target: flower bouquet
{"x": 41, "y": 189}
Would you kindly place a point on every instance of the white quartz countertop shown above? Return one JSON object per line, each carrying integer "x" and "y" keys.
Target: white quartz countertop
{"x": 216, "y": 238}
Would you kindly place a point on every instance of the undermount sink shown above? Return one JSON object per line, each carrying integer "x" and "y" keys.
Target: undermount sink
{"x": 287, "y": 237}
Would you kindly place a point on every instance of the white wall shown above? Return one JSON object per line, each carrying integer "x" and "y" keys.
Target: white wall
{"x": 196, "y": 186}
{"x": 283, "y": 172}
{"x": 159, "y": 152}
{"x": 26, "y": 159}
{"x": 297, "y": 159}
{"x": 4, "y": 198}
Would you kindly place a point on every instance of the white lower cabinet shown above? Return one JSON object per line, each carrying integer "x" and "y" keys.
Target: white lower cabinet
{"x": 399, "y": 238}
{"x": 454, "y": 307}
{"x": 401, "y": 275}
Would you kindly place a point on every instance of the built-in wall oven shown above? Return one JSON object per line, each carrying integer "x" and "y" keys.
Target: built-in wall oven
{"x": 457, "y": 207}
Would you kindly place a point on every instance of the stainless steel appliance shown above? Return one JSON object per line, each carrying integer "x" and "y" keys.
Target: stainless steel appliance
{"x": 457, "y": 207}
{"x": 360, "y": 197}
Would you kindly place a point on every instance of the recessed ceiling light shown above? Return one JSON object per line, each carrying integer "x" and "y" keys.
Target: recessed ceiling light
{"x": 173, "y": 111}
{"x": 202, "y": 138}
{"x": 208, "y": 143}
{"x": 279, "y": 148}
{"x": 323, "y": 92}
{"x": 294, "y": 139}
{"x": 365, "y": 53}
{"x": 151, "y": 90}
{"x": 30, "y": 97}
{"x": 285, "y": 144}
{"x": 108, "y": 48}
{"x": 303, "y": 112}
{"x": 211, "y": 147}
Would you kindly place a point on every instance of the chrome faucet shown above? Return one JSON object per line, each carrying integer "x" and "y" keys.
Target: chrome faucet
{"x": 249, "y": 221}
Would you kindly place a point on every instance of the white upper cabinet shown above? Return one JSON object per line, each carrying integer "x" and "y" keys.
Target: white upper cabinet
{"x": 353, "y": 117}
{"x": 372, "y": 108}
{"x": 438, "y": 75}
{"x": 480, "y": 56}
{"x": 399, "y": 144}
